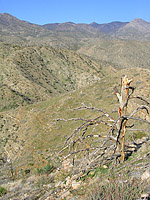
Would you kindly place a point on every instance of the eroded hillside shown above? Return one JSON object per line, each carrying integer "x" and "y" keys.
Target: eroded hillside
{"x": 31, "y": 74}
{"x": 121, "y": 53}
{"x": 33, "y": 136}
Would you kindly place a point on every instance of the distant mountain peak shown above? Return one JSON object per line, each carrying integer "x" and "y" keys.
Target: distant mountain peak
{"x": 138, "y": 29}
{"x": 140, "y": 23}
{"x": 138, "y": 20}
{"x": 6, "y": 14}
{"x": 69, "y": 23}
{"x": 93, "y": 23}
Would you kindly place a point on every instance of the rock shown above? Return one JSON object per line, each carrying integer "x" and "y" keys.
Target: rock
{"x": 65, "y": 194}
{"x": 50, "y": 198}
{"x": 67, "y": 164}
{"x": 135, "y": 174}
{"x": 145, "y": 196}
{"x": 59, "y": 184}
{"x": 145, "y": 175}
{"x": 76, "y": 185}
{"x": 68, "y": 181}
{"x": 105, "y": 166}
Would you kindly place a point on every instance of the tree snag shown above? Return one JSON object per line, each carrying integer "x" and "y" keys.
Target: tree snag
{"x": 100, "y": 140}
{"x": 123, "y": 101}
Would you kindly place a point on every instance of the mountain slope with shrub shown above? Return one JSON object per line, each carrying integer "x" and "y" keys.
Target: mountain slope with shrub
{"x": 42, "y": 91}
{"x": 121, "y": 53}
{"x": 33, "y": 135}
{"x": 137, "y": 29}
{"x": 99, "y": 41}
{"x": 42, "y": 72}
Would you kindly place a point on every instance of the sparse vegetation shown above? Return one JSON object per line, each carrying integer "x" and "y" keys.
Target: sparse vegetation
{"x": 3, "y": 191}
{"x": 47, "y": 169}
{"x": 44, "y": 180}
{"x": 43, "y": 72}
{"x": 115, "y": 189}
{"x": 89, "y": 148}
{"x": 53, "y": 77}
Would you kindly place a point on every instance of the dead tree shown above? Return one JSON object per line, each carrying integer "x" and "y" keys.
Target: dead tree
{"x": 123, "y": 101}
{"x": 91, "y": 147}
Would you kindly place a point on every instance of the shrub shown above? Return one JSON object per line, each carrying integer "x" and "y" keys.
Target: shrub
{"x": 47, "y": 169}
{"x": 2, "y": 191}
{"x": 44, "y": 180}
{"x": 115, "y": 190}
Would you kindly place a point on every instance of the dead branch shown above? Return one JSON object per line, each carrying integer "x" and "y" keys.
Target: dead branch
{"x": 72, "y": 119}
{"x": 141, "y": 98}
{"x": 94, "y": 109}
{"x": 142, "y": 107}
{"x": 93, "y": 148}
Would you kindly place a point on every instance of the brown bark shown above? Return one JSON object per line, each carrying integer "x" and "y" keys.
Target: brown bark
{"x": 123, "y": 100}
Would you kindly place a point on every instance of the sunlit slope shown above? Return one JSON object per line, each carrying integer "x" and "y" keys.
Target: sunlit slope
{"x": 31, "y": 74}
{"x": 32, "y": 134}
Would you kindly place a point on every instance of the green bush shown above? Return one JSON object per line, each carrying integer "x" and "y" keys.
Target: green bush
{"x": 2, "y": 191}
{"x": 47, "y": 169}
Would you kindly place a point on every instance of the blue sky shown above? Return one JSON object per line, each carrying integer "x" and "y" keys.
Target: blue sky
{"x": 77, "y": 11}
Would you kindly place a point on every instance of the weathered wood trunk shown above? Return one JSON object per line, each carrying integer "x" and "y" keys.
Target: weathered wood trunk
{"x": 123, "y": 101}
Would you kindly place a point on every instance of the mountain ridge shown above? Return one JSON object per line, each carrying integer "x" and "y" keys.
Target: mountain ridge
{"x": 53, "y": 83}
{"x": 116, "y": 29}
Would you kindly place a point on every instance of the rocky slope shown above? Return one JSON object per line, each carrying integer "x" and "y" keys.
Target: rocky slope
{"x": 15, "y": 30}
{"x": 137, "y": 29}
{"x": 42, "y": 90}
{"x": 32, "y": 136}
{"x": 42, "y": 72}
{"x": 99, "y": 41}
{"x": 120, "y": 54}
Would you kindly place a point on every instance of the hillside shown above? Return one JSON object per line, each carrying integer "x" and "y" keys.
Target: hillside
{"x": 59, "y": 116}
{"x": 33, "y": 136}
{"x": 41, "y": 116}
{"x": 13, "y": 30}
{"x": 98, "y": 41}
{"x": 109, "y": 28}
{"x": 137, "y": 29}
{"x": 120, "y": 53}
{"x": 19, "y": 31}
{"x": 42, "y": 72}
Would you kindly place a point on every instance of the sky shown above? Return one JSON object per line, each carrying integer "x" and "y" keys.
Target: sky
{"x": 77, "y": 11}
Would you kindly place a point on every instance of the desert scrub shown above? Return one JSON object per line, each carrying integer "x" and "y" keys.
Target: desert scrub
{"x": 44, "y": 180}
{"x": 3, "y": 191}
{"x": 47, "y": 169}
{"x": 115, "y": 190}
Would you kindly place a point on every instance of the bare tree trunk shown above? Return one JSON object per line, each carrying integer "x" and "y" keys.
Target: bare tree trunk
{"x": 123, "y": 100}
{"x": 123, "y": 142}
{"x": 103, "y": 150}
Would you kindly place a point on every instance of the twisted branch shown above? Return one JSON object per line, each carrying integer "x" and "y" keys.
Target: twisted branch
{"x": 80, "y": 142}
